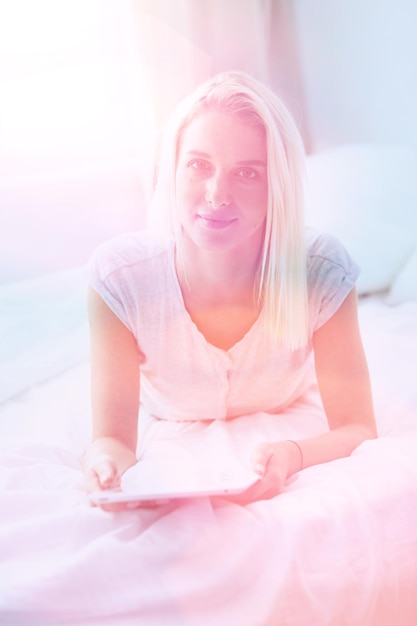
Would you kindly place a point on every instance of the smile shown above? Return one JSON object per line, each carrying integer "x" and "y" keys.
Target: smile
{"x": 215, "y": 222}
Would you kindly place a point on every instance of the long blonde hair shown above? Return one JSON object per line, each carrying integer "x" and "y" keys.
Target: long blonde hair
{"x": 283, "y": 284}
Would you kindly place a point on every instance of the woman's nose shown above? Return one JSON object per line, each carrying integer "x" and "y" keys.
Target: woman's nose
{"x": 218, "y": 192}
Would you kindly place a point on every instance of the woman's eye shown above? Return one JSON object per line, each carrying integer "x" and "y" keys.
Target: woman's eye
{"x": 247, "y": 173}
{"x": 199, "y": 164}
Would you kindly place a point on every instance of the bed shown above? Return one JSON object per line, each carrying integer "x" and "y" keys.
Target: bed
{"x": 337, "y": 548}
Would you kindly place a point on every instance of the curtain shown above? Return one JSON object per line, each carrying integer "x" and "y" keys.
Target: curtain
{"x": 183, "y": 42}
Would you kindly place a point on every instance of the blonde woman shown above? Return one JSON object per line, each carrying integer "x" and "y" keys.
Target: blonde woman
{"x": 237, "y": 309}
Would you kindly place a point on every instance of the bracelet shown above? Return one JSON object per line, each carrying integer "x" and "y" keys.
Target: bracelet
{"x": 300, "y": 451}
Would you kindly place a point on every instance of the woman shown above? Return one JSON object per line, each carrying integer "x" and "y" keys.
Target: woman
{"x": 221, "y": 318}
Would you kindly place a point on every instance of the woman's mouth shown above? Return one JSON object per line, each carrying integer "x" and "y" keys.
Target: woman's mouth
{"x": 212, "y": 221}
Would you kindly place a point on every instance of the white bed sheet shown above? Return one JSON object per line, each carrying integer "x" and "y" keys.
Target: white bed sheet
{"x": 337, "y": 548}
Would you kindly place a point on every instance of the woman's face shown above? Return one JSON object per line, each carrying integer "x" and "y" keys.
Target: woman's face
{"x": 221, "y": 182}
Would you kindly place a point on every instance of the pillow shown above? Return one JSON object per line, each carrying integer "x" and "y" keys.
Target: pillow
{"x": 366, "y": 195}
{"x": 404, "y": 287}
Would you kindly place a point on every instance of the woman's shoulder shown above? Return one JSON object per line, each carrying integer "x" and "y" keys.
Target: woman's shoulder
{"x": 128, "y": 249}
{"x": 331, "y": 275}
{"x": 326, "y": 251}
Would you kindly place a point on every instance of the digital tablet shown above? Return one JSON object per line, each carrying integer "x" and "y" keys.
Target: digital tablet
{"x": 148, "y": 484}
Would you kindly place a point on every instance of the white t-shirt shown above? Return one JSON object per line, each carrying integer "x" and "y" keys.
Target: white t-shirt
{"x": 183, "y": 377}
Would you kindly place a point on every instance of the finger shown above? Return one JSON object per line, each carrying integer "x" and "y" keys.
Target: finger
{"x": 92, "y": 482}
{"x": 105, "y": 470}
{"x": 273, "y": 479}
{"x": 107, "y": 475}
{"x": 269, "y": 484}
{"x": 93, "y": 485}
{"x": 260, "y": 458}
{"x": 115, "y": 506}
{"x": 261, "y": 490}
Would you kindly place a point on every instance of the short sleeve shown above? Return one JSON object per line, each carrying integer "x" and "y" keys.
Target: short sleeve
{"x": 109, "y": 275}
{"x": 104, "y": 276}
{"x": 121, "y": 270}
{"x": 331, "y": 275}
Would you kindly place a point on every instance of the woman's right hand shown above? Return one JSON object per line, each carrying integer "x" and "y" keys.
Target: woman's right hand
{"x": 104, "y": 462}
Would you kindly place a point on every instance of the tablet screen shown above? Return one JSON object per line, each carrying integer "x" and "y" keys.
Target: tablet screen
{"x": 171, "y": 471}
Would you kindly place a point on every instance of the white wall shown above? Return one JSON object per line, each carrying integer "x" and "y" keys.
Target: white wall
{"x": 76, "y": 132}
{"x": 359, "y": 63}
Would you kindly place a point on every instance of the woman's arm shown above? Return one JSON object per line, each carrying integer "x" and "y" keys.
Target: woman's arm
{"x": 345, "y": 389}
{"x": 115, "y": 373}
{"x": 344, "y": 384}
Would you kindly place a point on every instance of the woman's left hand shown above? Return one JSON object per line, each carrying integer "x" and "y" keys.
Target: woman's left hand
{"x": 274, "y": 462}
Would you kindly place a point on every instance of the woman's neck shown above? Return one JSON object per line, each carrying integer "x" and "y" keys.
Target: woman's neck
{"x": 224, "y": 276}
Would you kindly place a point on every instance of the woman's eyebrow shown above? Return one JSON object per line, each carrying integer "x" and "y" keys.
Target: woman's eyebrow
{"x": 253, "y": 162}
{"x": 198, "y": 153}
